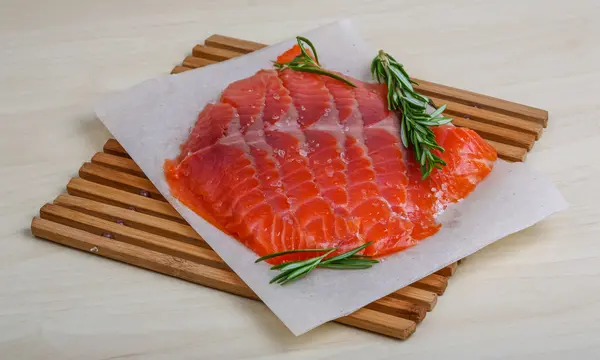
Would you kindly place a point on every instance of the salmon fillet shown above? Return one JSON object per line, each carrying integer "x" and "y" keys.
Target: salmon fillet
{"x": 291, "y": 160}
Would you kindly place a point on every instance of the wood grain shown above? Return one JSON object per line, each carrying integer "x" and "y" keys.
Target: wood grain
{"x": 509, "y": 152}
{"x": 233, "y": 44}
{"x": 118, "y": 163}
{"x": 114, "y": 178}
{"x": 113, "y": 147}
{"x": 135, "y": 255}
{"x": 90, "y": 190}
{"x": 448, "y": 270}
{"x": 380, "y": 323}
{"x": 483, "y": 101}
{"x": 496, "y": 133}
{"x": 434, "y": 283}
{"x": 418, "y": 296}
{"x": 489, "y": 117}
{"x": 400, "y": 308}
{"x": 213, "y": 53}
{"x": 134, "y": 219}
{"x": 196, "y": 62}
{"x": 130, "y": 235}
{"x": 179, "y": 69}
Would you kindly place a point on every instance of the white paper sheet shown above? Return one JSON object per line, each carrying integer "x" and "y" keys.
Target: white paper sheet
{"x": 152, "y": 119}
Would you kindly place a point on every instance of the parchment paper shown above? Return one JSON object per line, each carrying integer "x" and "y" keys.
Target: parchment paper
{"x": 153, "y": 118}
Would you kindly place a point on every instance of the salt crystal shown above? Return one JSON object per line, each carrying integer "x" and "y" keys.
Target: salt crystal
{"x": 302, "y": 152}
{"x": 302, "y": 108}
{"x": 343, "y": 157}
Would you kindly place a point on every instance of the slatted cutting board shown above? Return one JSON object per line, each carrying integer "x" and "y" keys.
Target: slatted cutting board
{"x": 114, "y": 211}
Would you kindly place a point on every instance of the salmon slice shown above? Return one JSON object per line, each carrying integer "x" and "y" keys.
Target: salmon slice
{"x": 291, "y": 160}
{"x": 382, "y": 222}
{"x": 220, "y": 172}
{"x": 324, "y": 144}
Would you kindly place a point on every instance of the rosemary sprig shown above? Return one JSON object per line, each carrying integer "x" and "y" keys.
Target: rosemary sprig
{"x": 305, "y": 63}
{"x": 294, "y": 270}
{"x": 415, "y": 121}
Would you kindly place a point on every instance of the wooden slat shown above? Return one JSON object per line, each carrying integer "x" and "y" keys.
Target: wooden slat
{"x": 129, "y": 235}
{"x": 401, "y": 308}
{"x": 434, "y": 283}
{"x": 448, "y": 270}
{"x": 113, "y": 147}
{"x": 196, "y": 62}
{"x": 179, "y": 69}
{"x": 106, "y": 194}
{"x": 496, "y": 133}
{"x": 167, "y": 264}
{"x": 114, "y": 178}
{"x": 483, "y": 101}
{"x": 380, "y": 323}
{"x": 489, "y": 117}
{"x": 118, "y": 163}
{"x": 211, "y": 53}
{"x": 509, "y": 152}
{"x": 197, "y": 273}
{"x": 156, "y": 225}
{"x": 233, "y": 44}
{"x": 417, "y": 296}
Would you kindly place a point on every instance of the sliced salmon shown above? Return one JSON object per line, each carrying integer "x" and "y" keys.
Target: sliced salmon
{"x": 293, "y": 160}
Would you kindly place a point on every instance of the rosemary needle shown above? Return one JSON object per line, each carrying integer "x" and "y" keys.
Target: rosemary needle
{"x": 294, "y": 270}
{"x": 415, "y": 121}
{"x": 306, "y": 63}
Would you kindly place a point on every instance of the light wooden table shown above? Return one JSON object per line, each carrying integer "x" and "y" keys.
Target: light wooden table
{"x": 533, "y": 295}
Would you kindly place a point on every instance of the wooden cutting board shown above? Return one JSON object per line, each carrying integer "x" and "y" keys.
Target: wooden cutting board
{"x": 114, "y": 211}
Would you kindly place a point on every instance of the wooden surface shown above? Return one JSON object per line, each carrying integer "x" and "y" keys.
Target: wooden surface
{"x": 112, "y": 210}
{"x": 536, "y": 292}
{"x": 119, "y": 227}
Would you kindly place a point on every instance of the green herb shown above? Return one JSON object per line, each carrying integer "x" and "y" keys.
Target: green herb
{"x": 293, "y": 270}
{"x": 305, "y": 63}
{"x": 415, "y": 121}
